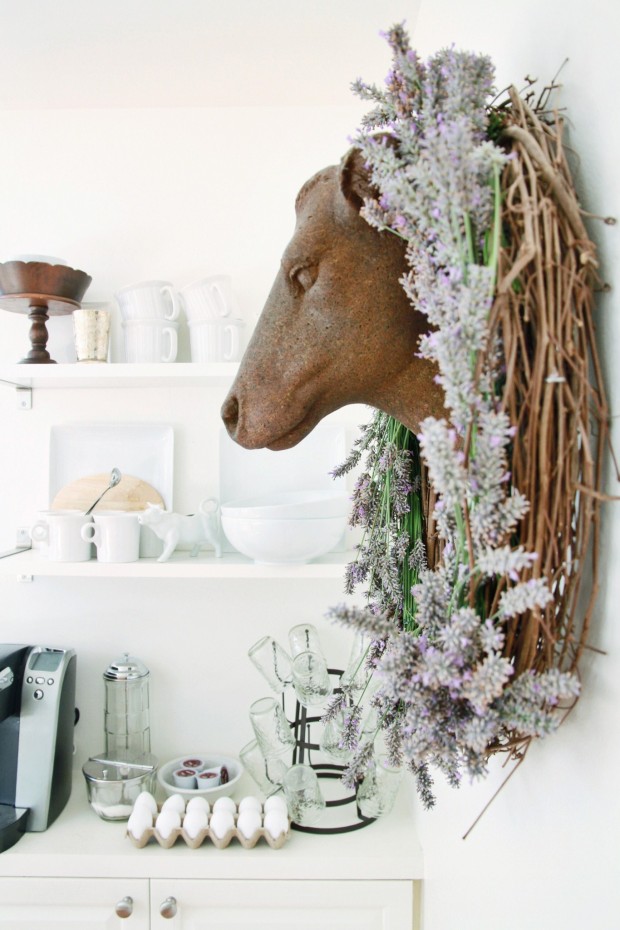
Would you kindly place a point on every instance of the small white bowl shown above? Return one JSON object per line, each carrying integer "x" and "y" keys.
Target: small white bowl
{"x": 272, "y": 541}
{"x": 287, "y": 505}
{"x": 235, "y": 771}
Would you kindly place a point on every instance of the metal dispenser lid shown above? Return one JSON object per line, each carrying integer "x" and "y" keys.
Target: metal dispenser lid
{"x": 127, "y": 668}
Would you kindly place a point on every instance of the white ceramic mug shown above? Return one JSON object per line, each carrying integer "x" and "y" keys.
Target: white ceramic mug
{"x": 116, "y": 534}
{"x": 215, "y": 340}
{"x": 149, "y": 300}
{"x": 61, "y": 530}
{"x": 208, "y": 299}
{"x": 150, "y": 340}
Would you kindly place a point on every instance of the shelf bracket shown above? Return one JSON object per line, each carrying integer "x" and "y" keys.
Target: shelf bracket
{"x": 24, "y": 397}
{"x": 23, "y": 392}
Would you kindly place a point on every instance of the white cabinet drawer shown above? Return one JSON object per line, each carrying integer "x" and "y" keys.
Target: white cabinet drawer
{"x": 281, "y": 905}
{"x": 73, "y": 904}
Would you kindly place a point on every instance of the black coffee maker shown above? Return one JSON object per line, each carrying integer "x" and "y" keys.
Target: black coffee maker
{"x": 37, "y": 717}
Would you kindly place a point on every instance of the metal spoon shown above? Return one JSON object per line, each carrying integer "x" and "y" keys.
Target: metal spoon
{"x": 115, "y": 477}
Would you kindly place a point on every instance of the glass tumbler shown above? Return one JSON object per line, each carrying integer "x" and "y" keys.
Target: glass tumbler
{"x": 377, "y": 792}
{"x": 332, "y": 738}
{"x": 311, "y": 679}
{"x": 271, "y": 728}
{"x": 303, "y": 795}
{"x": 273, "y": 662}
{"x": 304, "y": 638}
{"x": 356, "y": 674}
{"x": 267, "y": 773}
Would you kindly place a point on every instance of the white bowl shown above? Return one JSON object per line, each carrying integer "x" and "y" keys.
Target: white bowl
{"x": 268, "y": 540}
{"x": 211, "y": 760}
{"x": 288, "y": 504}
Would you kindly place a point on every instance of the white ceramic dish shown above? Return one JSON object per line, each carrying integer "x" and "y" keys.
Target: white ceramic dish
{"x": 272, "y": 541}
{"x": 144, "y": 450}
{"x": 287, "y": 505}
{"x": 211, "y": 760}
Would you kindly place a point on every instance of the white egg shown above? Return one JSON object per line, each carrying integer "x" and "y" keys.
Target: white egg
{"x": 167, "y": 821}
{"x": 225, "y": 804}
{"x": 139, "y": 821}
{"x": 146, "y": 799}
{"x": 276, "y": 823}
{"x": 248, "y": 822}
{"x": 198, "y": 804}
{"x": 195, "y": 821}
{"x": 275, "y": 803}
{"x": 174, "y": 803}
{"x": 221, "y": 822}
{"x": 250, "y": 804}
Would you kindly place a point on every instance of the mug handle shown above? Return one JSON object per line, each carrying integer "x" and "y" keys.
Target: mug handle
{"x": 233, "y": 351}
{"x": 39, "y": 532}
{"x": 89, "y": 533}
{"x": 222, "y": 307}
{"x": 172, "y": 351}
{"x": 174, "y": 299}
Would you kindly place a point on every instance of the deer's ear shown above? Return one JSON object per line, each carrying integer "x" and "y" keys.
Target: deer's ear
{"x": 354, "y": 180}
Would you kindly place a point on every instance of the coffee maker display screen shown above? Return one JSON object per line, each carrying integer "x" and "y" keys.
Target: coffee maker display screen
{"x": 45, "y": 661}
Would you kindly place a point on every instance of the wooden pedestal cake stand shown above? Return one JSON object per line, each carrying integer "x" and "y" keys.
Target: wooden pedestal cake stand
{"x": 40, "y": 290}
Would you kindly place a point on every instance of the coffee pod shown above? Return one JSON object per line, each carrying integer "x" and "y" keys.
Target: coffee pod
{"x": 195, "y": 763}
{"x": 184, "y": 778}
{"x": 210, "y": 778}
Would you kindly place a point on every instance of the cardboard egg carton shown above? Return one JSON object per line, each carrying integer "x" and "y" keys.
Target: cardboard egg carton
{"x": 207, "y": 834}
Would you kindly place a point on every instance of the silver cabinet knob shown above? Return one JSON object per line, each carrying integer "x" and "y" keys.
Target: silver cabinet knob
{"x": 124, "y": 907}
{"x": 168, "y": 908}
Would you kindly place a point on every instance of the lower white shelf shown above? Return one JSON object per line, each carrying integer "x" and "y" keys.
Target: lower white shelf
{"x": 31, "y": 563}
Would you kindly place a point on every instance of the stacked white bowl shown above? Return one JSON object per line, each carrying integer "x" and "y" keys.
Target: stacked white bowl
{"x": 290, "y": 526}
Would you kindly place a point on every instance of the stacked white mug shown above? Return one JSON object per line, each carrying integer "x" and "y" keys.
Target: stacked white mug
{"x": 150, "y": 311}
{"x": 214, "y": 333}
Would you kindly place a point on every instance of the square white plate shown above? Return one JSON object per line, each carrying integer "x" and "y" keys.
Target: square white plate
{"x": 144, "y": 450}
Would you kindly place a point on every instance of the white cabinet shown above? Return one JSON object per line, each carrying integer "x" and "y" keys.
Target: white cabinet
{"x": 74, "y": 904}
{"x": 115, "y": 903}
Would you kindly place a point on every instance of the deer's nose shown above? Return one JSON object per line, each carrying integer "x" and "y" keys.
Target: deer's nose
{"x": 230, "y": 414}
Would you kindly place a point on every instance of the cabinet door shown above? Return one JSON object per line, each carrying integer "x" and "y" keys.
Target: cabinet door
{"x": 281, "y": 905}
{"x": 81, "y": 904}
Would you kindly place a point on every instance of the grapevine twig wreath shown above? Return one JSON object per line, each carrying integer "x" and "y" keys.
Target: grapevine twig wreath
{"x": 479, "y": 550}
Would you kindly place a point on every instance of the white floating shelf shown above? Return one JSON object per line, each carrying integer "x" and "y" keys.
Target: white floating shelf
{"x": 116, "y": 374}
{"x": 30, "y": 563}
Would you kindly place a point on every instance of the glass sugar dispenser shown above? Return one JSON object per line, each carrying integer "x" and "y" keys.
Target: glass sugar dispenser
{"x": 126, "y": 719}
{"x": 118, "y": 775}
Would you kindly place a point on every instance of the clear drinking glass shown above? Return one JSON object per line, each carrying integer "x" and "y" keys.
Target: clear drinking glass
{"x": 311, "y": 679}
{"x": 304, "y": 638}
{"x": 377, "y": 792}
{"x": 267, "y": 773}
{"x": 356, "y": 674}
{"x": 271, "y": 728}
{"x": 273, "y": 662}
{"x": 303, "y": 795}
{"x": 332, "y": 738}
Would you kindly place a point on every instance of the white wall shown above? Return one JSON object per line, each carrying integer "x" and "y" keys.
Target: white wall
{"x": 95, "y": 169}
{"x": 546, "y": 854}
{"x": 127, "y": 192}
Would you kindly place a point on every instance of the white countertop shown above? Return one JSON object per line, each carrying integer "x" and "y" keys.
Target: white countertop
{"x": 80, "y": 844}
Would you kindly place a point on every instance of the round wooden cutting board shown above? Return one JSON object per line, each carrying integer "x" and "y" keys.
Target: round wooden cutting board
{"x": 129, "y": 494}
